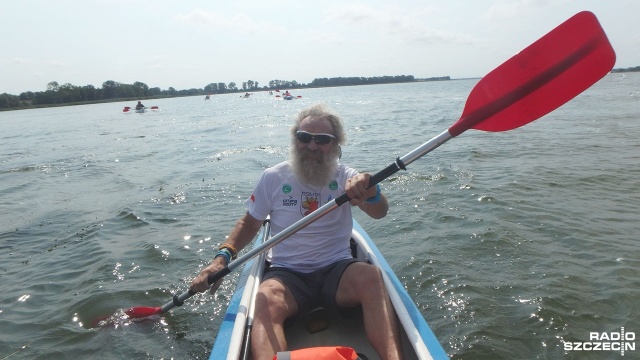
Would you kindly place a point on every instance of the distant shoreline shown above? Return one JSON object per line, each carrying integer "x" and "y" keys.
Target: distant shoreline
{"x": 200, "y": 92}
{"x": 629, "y": 69}
{"x": 101, "y": 101}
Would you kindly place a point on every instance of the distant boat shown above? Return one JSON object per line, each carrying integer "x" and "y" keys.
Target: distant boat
{"x": 127, "y": 109}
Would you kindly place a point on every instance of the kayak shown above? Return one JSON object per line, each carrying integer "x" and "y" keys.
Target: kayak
{"x": 320, "y": 328}
{"x": 127, "y": 109}
{"x": 288, "y": 97}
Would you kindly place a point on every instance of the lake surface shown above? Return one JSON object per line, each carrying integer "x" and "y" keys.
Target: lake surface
{"x": 510, "y": 243}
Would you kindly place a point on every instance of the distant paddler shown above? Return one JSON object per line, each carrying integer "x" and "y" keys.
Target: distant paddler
{"x": 139, "y": 108}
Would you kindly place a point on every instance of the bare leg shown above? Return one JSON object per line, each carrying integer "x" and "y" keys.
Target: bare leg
{"x": 274, "y": 304}
{"x": 362, "y": 283}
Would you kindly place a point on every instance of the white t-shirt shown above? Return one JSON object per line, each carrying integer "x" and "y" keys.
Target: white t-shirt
{"x": 281, "y": 196}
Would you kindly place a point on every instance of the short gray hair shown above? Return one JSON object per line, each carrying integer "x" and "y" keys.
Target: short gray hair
{"x": 322, "y": 111}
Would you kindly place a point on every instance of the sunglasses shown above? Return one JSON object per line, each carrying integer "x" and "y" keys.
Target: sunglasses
{"x": 320, "y": 139}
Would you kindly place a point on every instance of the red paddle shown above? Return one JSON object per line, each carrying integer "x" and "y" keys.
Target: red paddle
{"x": 542, "y": 77}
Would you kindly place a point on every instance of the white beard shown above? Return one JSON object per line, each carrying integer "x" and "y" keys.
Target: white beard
{"x": 314, "y": 167}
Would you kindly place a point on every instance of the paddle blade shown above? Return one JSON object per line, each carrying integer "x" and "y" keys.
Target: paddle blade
{"x": 142, "y": 312}
{"x": 540, "y": 78}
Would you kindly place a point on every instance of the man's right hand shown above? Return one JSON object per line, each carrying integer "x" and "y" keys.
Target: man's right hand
{"x": 201, "y": 282}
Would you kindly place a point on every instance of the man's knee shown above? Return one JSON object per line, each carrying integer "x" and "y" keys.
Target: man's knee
{"x": 365, "y": 274}
{"x": 362, "y": 282}
{"x": 274, "y": 299}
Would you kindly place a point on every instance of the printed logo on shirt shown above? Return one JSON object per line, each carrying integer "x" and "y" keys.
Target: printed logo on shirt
{"x": 333, "y": 185}
{"x": 253, "y": 198}
{"x": 310, "y": 202}
{"x": 286, "y": 188}
{"x": 289, "y": 202}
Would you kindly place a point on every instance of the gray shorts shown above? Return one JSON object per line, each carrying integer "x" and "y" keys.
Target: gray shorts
{"x": 311, "y": 290}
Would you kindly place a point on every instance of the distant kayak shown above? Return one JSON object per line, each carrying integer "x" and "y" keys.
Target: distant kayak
{"x": 288, "y": 96}
{"x": 127, "y": 109}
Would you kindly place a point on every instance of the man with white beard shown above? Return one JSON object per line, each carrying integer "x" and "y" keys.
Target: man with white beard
{"x": 314, "y": 266}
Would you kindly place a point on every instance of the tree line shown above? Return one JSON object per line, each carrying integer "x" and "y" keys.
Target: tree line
{"x": 347, "y": 81}
{"x": 68, "y": 94}
{"x": 629, "y": 69}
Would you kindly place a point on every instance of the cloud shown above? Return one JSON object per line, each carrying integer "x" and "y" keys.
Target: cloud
{"x": 356, "y": 14}
{"x": 326, "y": 37}
{"x": 240, "y": 22}
{"x": 392, "y": 20}
{"x": 56, "y": 63}
{"x": 505, "y": 9}
{"x": 22, "y": 61}
{"x": 29, "y": 61}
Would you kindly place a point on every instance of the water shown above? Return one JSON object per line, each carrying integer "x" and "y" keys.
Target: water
{"x": 510, "y": 243}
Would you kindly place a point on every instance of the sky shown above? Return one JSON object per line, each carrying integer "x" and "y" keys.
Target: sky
{"x": 189, "y": 44}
